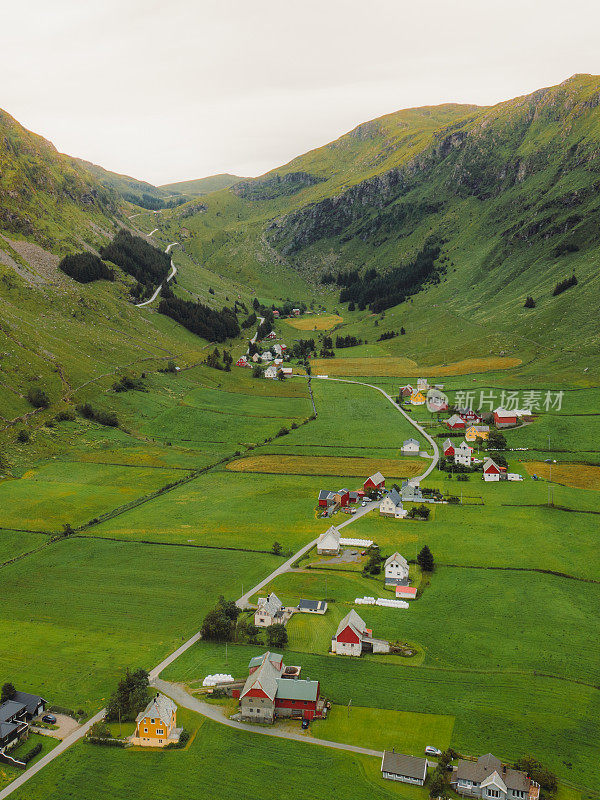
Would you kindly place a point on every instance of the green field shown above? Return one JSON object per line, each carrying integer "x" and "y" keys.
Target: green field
{"x": 78, "y": 612}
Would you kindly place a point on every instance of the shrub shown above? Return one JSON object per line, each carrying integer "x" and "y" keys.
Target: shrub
{"x": 23, "y": 436}
{"x": 35, "y": 750}
{"x": 425, "y": 559}
{"x": 85, "y": 268}
{"x": 38, "y": 397}
{"x": 282, "y": 431}
{"x": 562, "y": 286}
{"x": 529, "y": 302}
{"x": 183, "y": 739}
{"x": 99, "y": 730}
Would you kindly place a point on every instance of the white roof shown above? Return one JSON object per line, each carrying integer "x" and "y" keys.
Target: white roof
{"x": 397, "y": 557}
{"x": 330, "y": 540}
{"x": 160, "y": 707}
{"x": 352, "y": 619}
{"x": 376, "y": 478}
{"x": 494, "y": 780}
{"x": 270, "y": 604}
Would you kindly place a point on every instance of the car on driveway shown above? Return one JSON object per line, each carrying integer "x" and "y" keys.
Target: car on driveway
{"x": 50, "y": 719}
{"x": 430, "y": 750}
{"x": 305, "y": 724}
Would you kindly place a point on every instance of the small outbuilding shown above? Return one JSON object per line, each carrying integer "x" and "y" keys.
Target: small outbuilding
{"x": 312, "y": 606}
{"x": 328, "y": 543}
{"x": 400, "y": 767}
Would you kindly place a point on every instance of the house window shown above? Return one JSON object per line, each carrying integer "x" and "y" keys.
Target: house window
{"x": 493, "y": 793}
{"x": 152, "y": 721}
{"x": 159, "y": 732}
{"x": 145, "y": 730}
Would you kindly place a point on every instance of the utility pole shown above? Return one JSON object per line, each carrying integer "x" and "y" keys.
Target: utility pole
{"x": 349, "y": 704}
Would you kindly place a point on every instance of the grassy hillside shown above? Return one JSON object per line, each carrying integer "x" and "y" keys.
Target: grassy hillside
{"x": 211, "y": 183}
{"x": 510, "y": 193}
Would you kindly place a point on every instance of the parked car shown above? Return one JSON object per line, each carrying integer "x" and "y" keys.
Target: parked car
{"x": 49, "y": 718}
{"x": 305, "y": 724}
{"x": 430, "y": 750}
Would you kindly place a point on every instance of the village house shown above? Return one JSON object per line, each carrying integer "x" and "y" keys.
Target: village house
{"x": 436, "y": 400}
{"x": 491, "y": 470}
{"x": 276, "y": 313}
{"x": 353, "y": 638}
{"x": 242, "y": 362}
{"x": 391, "y": 505}
{"x": 455, "y": 422}
{"x": 269, "y": 693}
{"x": 374, "y": 482}
{"x": 276, "y": 348}
{"x": 156, "y": 725}
{"x": 504, "y": 418}
{"x": 271, "y": 335}
{"x": 312, "y": 606}
{"x": 271, "y": 372}
{"x": 406, "y": 592}
{"x": 469, "y": 416}
{"x": 396, "y": 570}
{"x": 270, "y": 611}
{"x": 15, "y": 715}
{"x": 267, "y": 356}
{"x": 448, "y": 448}
{"x": 342, "y": 496}
{"x": 463, "y": 454}
{"x": 489, "y": 779}
{"x": 326, "y": 498}
{"x": 406, "y": 391}
{"x": 410, "y": 446}
{"x": 417, "y": 399}
{"x": 407, "y": 769}
{"x": 422, "y": 384}
{"x": 295, "y": 312}
{"x": 287, "y": 371}
{"x": 255, "y": 358}
{"x": 410, "y": 491}
{"x": 328, "y": 543}
{"x": 475, "y": 432}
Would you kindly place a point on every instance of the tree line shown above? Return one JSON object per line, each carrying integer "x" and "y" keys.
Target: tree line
{"x": 148, "y": 265}
{"x": 210, "y": 324}
{"x": 86, "y": 267}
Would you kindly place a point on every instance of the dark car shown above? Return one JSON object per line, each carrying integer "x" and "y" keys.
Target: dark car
{"x": 49, "y": 718}
{"x": 305, "y": 724}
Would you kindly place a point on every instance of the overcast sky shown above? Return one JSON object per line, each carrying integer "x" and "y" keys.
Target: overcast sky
{"x": 180, "y": 89}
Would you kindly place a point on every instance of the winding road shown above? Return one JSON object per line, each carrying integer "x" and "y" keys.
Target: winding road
{"x": 170, "y": 275}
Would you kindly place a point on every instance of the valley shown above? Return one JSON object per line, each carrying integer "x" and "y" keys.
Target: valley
{"x": 146, "y": 470}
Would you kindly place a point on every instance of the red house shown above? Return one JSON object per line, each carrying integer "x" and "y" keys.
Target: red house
{"x": 448, "y": 448}
{"x": 242, "y": 362}
{"x": 275, "y": 313}
{"x": 470, "y": 416}
{"x": 342, "y": 496}
{"x": 326, "y": 498}
{"x": 455, "y": 422}
{"x": 376, "y": 481}
{"x": 503, "y": 418}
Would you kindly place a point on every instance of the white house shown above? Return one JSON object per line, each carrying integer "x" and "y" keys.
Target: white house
{"x": 463, "y": 454}
{"x": 410, "y": 446}
{"x": 391, "y": 505}
{"x": 267, "y": 356}
{"x": 406, "y": 769}
{"x": 422, "y": 384}
{"x": 396, "y": 570}
{"x": 269, "y": 611}
{"x": 491, "y": 470}
{"x": 328, "y": 543}
{"x": 352, "y": 638}
{"x": 276, "y": 348}
{"x": 287, "y": 371}
{"x": 271, "y": 372}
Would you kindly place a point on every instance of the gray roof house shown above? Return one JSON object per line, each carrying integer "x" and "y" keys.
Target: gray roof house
{"x": 396, "y": 570}
{"x": 407, "y": 769}
{"x": 269, "y": 612}
{"x": 411, "y": 446}
{"x": 13, "y": 724}
{"x": 411, "y": 491}
{"x": 34, "y": 704}
{"x": 391, "y": 505}
{"x": 489, "y": 779}
{"x": 312, "y": 606}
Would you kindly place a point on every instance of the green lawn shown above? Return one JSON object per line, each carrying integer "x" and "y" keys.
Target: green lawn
{"x": 13, "y": 543}
{"x": 218, "y": 762}
{"x": 80, "y": 611}
{"x": 9, "y": 773}
{"x": 384, "y": 729}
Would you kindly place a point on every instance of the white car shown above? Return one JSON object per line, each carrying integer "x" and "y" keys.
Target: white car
{"x": 363, "y": 504}
{"x": 430, "y": 750}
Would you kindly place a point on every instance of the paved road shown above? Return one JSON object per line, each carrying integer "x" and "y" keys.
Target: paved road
{"x": 215, "y": 713}
{"x": 422, "y": 431}
{"x": 171, "y": 275}
{"x": 153, "y": 232}
{"x": 260, "y": 322}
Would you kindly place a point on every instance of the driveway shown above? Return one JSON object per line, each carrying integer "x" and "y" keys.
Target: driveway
{"x": 65, "y": 726}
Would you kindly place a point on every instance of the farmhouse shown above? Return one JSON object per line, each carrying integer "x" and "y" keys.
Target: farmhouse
{"x": 376, "y": 481}
{"x": 287, "y": 371}
{"x": 312, "y": 606}
{"x": 410, "y": 446}
{"x": 489, "y": 778}
{"x": 469, "y": 416}
{"x": 396, "y": 570}
{"x": 406, "y": 391}
{"x": 422, "y": 384}
{"x": 156, "y": 725}
{"x": 271, "y": 335}
{"x": 326, "y": 498}
{"x": 353, "y": 638}
{"x": 269, "y": 612}
{"x": 417, "y": 399}
{"x": 504, "y": 418}
{"x": 391, "y": 505}
{"x": 267, "y": 356}
{"x": 410, "y": 491}
{"x": 242, "y": 362}
{"x": 463, "y": 454}
{"x": 407, "y": 769}
{"x": 342, "y": 496}
{"x": 271, "y": 372}
{"x": 268, "y": 693}
{"x": 491, "y": 470}
{"x": 328, "y": 543}
{"x": 436, "y": 400}
{"x": 13, "y": 724}
{"x": 448, "y": 448}
{"x": 295, "y": 312}
{"x": 455, "y": 423}
{"x": 475, "y": 432}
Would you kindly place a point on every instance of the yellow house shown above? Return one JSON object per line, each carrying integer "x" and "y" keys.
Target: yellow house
{"x": 417, "y": 399}
{"x": 155, "y": 726}
{"x": 477, "y": 432}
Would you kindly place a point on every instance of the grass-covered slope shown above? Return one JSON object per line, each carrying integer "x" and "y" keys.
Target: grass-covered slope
{"x": 212, "y": 183}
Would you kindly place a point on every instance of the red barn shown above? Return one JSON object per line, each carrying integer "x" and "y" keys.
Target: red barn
{"x": 326, "y": 498}
{"x": 342, "y": 496}
{"x": 448, "y": 448}
{"x": 455, "y": 423}
{"x": 503, "y": 418}
{"x": 376, "y": 481}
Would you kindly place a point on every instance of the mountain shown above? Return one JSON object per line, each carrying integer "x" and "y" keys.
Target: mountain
{"x": 212, "y": 183}
{"x": 129, "y": 189}
{"x": 509, "y": 193}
